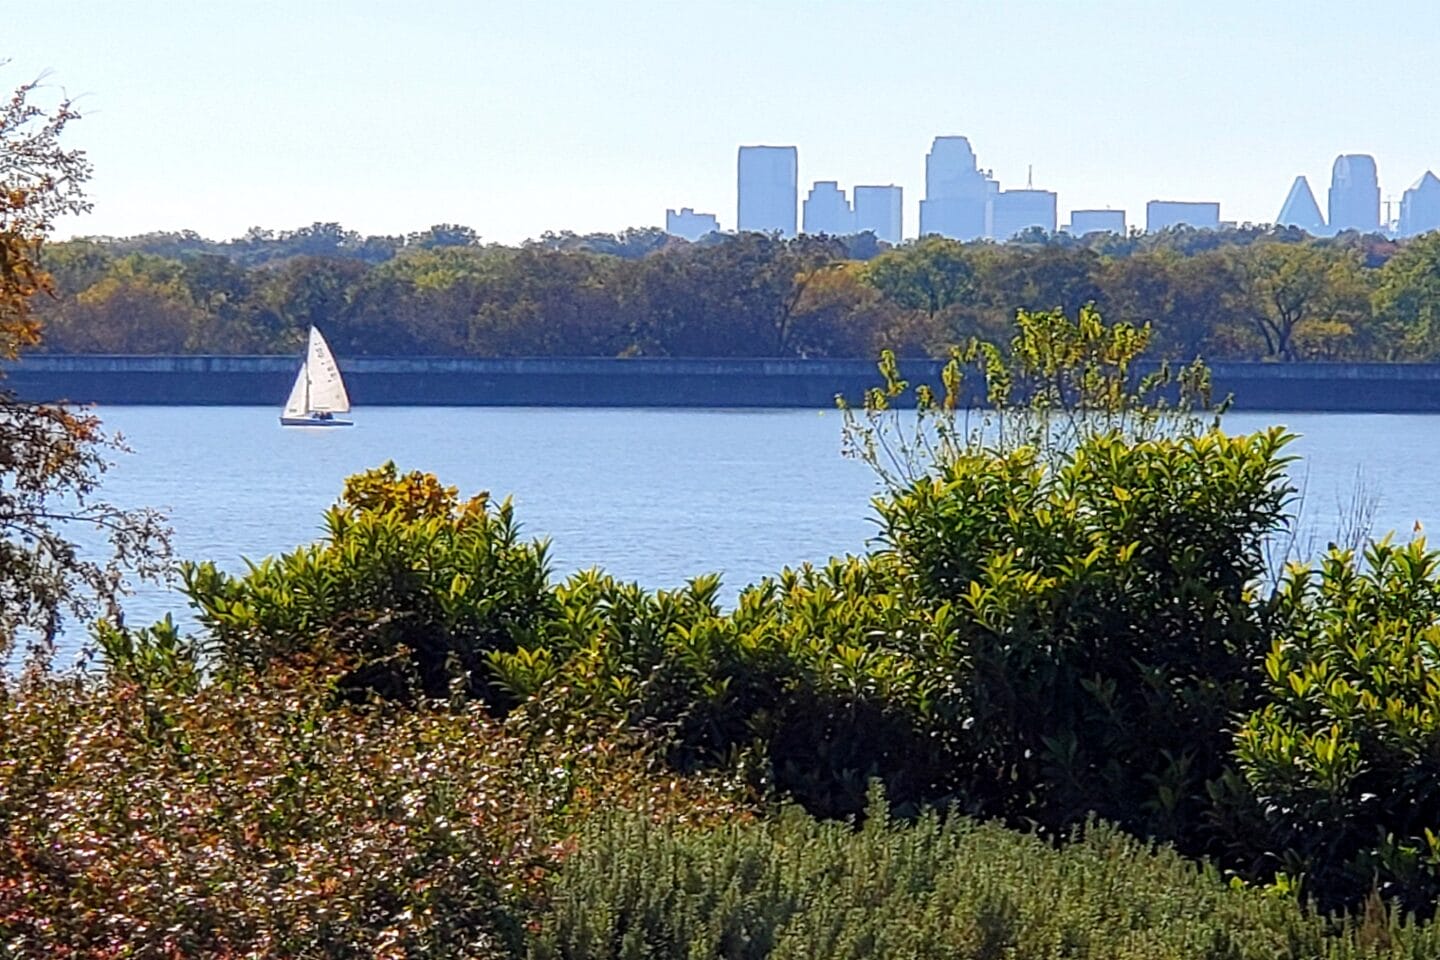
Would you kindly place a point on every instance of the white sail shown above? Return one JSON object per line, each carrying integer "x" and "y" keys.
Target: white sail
{"x": 327, "y": 390}
{"x": 318, "y": 387}
{"x": 299, "y": 402}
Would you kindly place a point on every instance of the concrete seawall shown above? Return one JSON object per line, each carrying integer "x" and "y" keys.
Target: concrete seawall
{"x": 605, "y": 382}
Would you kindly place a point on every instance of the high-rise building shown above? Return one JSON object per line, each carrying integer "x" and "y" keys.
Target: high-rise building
{"x": 1300, "y": 209}
{"x": 1015, "y": 211}
{"x": 881, "y": 211}
{"x": 767, "y": 190}
{"x": 957, "y": 193}
{"x": 1096, "y": 221}
{"x": 1420, "y": 206}
{"x": 1160, "y": 214}
{"x": 828, "y": 211}
{"x": 1354, "y": 194}
{"x": 690, "y": 225}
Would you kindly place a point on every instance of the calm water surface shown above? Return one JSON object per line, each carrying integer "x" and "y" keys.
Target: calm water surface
{"x": 655, "y": 496}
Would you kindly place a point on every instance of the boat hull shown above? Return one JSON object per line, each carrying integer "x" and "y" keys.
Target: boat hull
{"x": 314, "y": 422}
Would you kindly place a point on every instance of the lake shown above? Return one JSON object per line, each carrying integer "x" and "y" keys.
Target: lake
{"x": 655, "y": 496}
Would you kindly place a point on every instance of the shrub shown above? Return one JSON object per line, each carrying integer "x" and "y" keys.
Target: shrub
{"x": 261, "y": 821}
{"x": 1102, "y": 624}
{"x": 802, "y": 684}
{"x": 1343, "y": 757}
{"x": 411, "y": 585}
{"x": 1037, "y": 643}
{"x": 792, "y": 888}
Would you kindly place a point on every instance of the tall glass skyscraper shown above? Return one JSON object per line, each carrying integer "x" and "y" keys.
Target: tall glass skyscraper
{"x": 768, "y": 189}
{"x": 1354, "y": 194}
{"x": 957, "y": 194}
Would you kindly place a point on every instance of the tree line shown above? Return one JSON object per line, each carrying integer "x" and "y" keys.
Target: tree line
{"x": 1243, "y": 294}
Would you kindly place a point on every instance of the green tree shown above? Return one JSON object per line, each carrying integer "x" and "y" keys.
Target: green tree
{"x": 1407, "y": 300}
{"x": 316, "y": 291}
{"x": 1193, "y": 303}
{"x": 930, "y": 274}
{"x": 444, "y": 235}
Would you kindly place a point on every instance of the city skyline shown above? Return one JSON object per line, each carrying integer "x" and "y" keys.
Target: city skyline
{"x": 520, "y": 119}
{"x": 964, "y": 201}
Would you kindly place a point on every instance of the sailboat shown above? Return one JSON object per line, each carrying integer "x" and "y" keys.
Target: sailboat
{"x": 318, "y": 393}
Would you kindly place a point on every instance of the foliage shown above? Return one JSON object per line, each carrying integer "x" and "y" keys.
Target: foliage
{"x": 256, "y": 819}
{"x": 51, "y": 457}
{"x": 791, "y": 888}
{"x": 805, "y": 686}
{"x": 1343, "y": 755}
{"x": 1247, "y": 294}
{"x": 40, "y": 181}
{"x": 1306, "y": 299}
{"x": 1060, "y": 381}
{"x": 411, "y": 586}
{"x": 1407, "y": 298}
{"x": 1113, "y": 588}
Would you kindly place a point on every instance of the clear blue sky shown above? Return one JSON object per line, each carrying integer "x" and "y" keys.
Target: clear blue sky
{"x": 522, "y": 116}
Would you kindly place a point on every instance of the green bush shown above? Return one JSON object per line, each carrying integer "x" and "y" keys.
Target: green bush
{"x": 1040, "y": 644}
{"x": 803, "y": 683}
{"x": 410, "y": 585}
{"x": 1343, "y": 757}
{"x": 793, "y": 888}
{"x": 1102, "y": 623}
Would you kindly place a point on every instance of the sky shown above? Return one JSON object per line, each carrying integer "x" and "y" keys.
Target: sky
{"x": 523, "y": 116}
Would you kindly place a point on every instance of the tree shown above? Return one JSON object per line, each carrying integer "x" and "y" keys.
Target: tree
{"x": 840, "y": 315}
{"x": 931, "y": 274}
{"x": 51, "y": 457}
{"x": 313, "y": 291}
{"x": 1292, "y": 286}
{"x": 1194, "y": 303}
{"x": 1407, "y": 301}
{"x": 444, "y": 235}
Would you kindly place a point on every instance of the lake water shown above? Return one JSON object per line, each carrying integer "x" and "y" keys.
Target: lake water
{"x": 655, "y": 496}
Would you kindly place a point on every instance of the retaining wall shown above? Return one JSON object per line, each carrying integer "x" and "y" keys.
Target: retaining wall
{"x": 604, "y": 382}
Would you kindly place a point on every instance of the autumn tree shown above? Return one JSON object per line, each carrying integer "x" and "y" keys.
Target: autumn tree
{"x": 51, "y": 457}
{"x": 838, "y": 314}
{"x": 1303, "y": 297}
{"x": 1194, "y": 304}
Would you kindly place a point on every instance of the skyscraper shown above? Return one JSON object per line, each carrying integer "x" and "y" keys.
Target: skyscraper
{"x": 690, "y": 225}
{"x": 1354, "y": 194}
{"x": 1420, "y": 206}
{"x": 1300, "y": 209}
{"x": 1015, "y": 211}
{"x": 767, "y": 189}
{"x": 827, "y": 210}
{"x": 881, "y": 211}
{"x": 956, "y": 192}
{"x": 1160, "y": 214}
